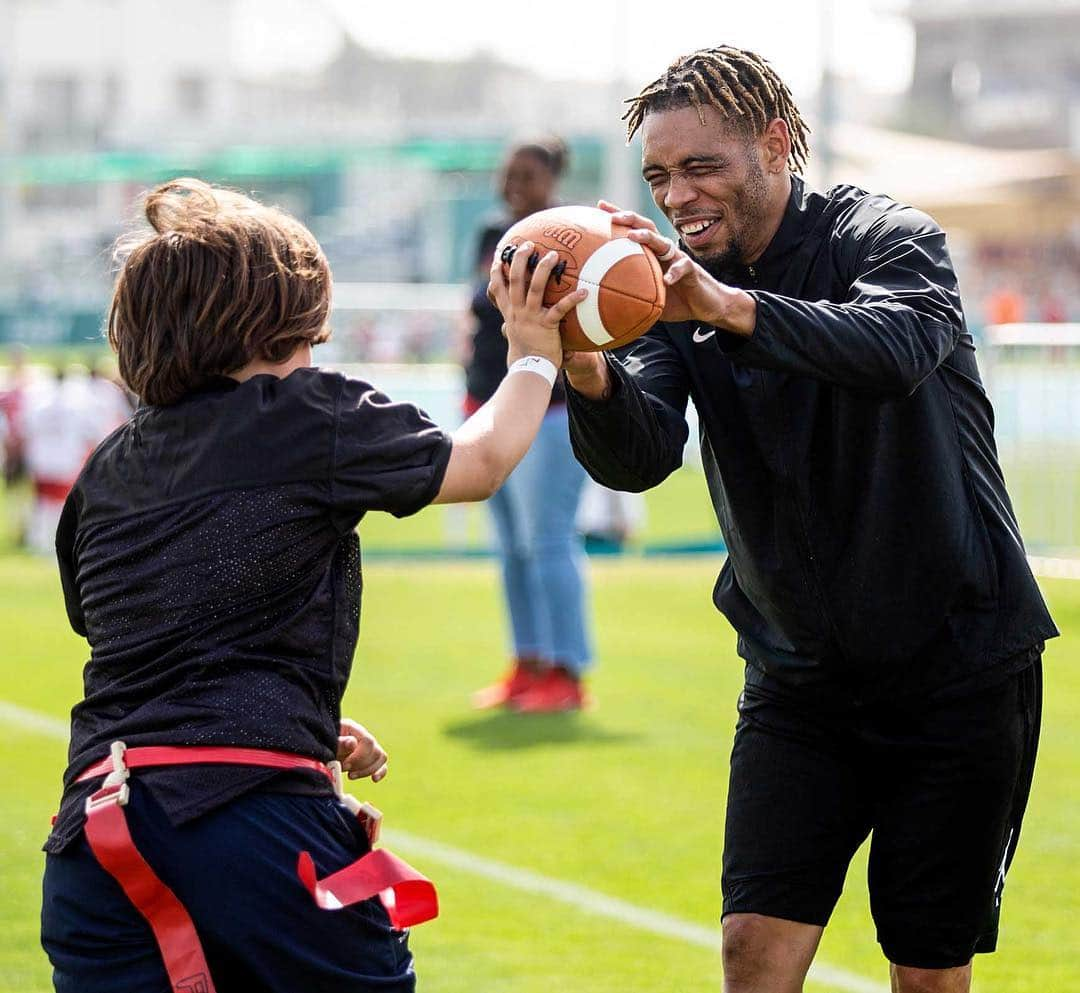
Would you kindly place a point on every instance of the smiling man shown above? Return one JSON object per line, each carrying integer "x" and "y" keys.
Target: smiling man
{"x": 890, "y": 624}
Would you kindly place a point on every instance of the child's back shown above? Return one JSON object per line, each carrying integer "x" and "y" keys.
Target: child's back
{"x": 208, "y": 553}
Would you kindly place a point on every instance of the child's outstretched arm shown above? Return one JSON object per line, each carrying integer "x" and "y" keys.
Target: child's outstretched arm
{"x": 490, "y": 444}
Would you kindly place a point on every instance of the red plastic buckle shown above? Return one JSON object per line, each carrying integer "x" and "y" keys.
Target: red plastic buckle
{"x": 108, "y": 794}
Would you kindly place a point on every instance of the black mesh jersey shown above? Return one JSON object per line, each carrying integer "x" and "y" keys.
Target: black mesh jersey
{"x": 208, "y": 553}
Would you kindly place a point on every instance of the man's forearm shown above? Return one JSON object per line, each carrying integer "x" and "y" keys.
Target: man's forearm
{"x": 739, "y": 315}
{"x": 591, "y": 378}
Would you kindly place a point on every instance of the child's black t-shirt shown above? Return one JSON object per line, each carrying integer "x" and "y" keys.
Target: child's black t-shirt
{"x": 208, "y": 553}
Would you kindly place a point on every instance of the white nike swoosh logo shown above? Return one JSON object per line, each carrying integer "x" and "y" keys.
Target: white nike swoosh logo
{"x": 699, "y": 337}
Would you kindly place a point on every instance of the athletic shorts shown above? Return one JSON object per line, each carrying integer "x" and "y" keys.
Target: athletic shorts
{"x": 234, "y": 869}
{"x": 939, "y": 786}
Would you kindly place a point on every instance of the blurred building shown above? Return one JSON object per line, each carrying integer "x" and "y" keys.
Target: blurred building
{"x": 997, "y": 72}
{"x": 1000, "y": 80}
{"x": 389, "y": 160}
{"x": 121, "y": 73}
{"x": 364, "y": 94}
{"x": 80, "y": 82}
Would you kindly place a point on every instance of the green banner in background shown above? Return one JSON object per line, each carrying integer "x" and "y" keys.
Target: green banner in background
{"x": 52, "y": 327}
{"x": 441, "y": 155}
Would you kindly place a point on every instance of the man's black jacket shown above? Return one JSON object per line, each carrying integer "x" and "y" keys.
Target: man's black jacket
{"x": 849, "y": 452}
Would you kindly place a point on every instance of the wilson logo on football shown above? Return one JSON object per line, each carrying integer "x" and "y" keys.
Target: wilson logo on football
{"x": 567, "y": 237}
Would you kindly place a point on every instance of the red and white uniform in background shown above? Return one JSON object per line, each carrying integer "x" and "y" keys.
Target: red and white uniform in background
{"x": 106, "y": 404}
{"x": 12, "y": 410}
{"x": 61, "y": 427}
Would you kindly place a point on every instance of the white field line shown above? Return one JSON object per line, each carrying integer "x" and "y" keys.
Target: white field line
{"x": 600, "y": 905}
{"x": 31, "y": 720}
{"x": 577, "y": 896}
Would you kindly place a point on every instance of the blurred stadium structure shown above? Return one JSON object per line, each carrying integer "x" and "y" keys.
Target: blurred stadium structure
{"x": 391, "y": 162}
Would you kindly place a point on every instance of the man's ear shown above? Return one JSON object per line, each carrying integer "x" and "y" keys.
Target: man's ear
{"x": 776, "y": 146}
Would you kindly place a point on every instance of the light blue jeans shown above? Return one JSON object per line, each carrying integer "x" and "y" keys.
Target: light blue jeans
{"x": 543, "y": 564}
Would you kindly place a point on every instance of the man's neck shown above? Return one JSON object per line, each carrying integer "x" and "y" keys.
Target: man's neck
{"x": 778, "y": 203}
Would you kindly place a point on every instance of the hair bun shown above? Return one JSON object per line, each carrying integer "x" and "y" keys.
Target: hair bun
{"x": 560, "y": 154}
{"x": 180, "y": 205}
{"x": 550, "y": 149}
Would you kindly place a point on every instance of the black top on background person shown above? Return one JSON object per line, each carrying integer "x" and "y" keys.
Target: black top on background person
{"x": 528, "y": 183}
{"x": 486, "y": 363}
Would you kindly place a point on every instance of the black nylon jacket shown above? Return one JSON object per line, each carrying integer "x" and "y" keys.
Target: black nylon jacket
{"x": 849, "y": 453}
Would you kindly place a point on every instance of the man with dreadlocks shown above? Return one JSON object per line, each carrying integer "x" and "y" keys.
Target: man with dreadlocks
{"x": 876, "y": 578}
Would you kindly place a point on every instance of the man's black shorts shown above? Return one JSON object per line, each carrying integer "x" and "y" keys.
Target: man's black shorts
{"x": 940, "y": 784}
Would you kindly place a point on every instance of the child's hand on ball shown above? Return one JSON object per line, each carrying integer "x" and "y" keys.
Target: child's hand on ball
{"x": 530, "y": 327}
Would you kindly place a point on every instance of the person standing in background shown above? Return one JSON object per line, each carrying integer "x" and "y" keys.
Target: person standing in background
{"x": 540, "y": 552}
{"x": 106, "y": 401}
{"x": 13, "y": 400}
{"x": 58, "y": 435}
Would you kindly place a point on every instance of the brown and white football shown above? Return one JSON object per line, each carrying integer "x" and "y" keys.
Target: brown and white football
{"x": 625, "y": 282}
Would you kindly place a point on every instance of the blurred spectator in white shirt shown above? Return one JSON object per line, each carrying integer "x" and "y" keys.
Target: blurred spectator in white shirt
{"x": 60, "y": 429}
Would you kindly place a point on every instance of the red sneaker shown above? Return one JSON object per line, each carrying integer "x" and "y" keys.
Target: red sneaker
{"x": 520, "y": 679}
{"x": 556, "y": 691}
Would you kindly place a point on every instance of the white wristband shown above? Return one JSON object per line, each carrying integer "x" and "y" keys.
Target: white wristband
{"x": 535, "y": 363}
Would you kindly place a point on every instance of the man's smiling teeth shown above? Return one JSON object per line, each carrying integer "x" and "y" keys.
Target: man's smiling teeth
{"x": 694, "y": 227}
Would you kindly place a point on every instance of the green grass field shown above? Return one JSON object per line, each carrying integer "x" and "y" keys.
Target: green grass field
{"x": 626, "y": 800}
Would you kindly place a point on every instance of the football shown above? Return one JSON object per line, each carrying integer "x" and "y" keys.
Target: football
{"x": 625, "y": 282}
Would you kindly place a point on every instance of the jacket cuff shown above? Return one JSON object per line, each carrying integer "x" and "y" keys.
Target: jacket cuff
{"x": 615, "y": 372}
{"x": 740, "y": 347}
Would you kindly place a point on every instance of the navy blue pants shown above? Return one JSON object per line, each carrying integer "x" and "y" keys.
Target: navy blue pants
{"x": 235, "y": 871}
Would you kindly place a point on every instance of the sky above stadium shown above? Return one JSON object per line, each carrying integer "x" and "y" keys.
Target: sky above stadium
{"x": 870, "y": 39}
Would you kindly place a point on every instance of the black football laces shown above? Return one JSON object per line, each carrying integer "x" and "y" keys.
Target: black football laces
{"x": 507, "y": 256}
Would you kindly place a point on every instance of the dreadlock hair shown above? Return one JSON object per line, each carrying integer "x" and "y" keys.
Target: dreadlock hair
{"x": 737, "y": 82}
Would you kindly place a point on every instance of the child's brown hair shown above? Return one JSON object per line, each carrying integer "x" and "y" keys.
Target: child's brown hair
{"x": 220, "y": 281}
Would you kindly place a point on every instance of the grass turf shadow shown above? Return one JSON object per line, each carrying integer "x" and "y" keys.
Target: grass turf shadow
{"x": 503, "y": 730}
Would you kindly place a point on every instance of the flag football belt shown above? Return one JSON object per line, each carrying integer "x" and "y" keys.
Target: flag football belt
{"x": 409, "y": 897}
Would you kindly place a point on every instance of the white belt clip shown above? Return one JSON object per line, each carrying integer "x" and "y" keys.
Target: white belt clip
{"x": 114, "y": 789}
{"x": 366, "y": 813}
